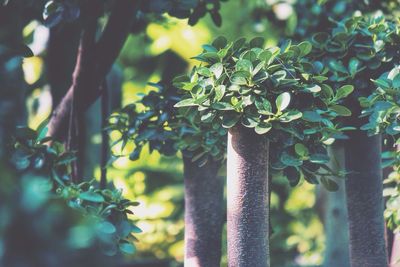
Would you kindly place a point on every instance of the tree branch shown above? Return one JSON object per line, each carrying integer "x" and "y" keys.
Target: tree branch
{"x": 88, "y": 78}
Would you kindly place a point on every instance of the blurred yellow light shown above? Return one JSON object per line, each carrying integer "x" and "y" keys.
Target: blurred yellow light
{"x": 32, "y": 69}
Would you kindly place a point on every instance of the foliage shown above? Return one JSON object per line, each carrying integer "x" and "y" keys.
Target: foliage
{"x": 319, "y": 15}
{"x": 39, "y": 154}
{"x": 154, "y": 121}
{"x": 38, "y": 230}
{"x": 358, "y": 47}
{"x": 64, "y": 11}
{"x": 275, "y": 91}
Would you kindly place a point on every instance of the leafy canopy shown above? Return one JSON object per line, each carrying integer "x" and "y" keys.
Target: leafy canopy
{"x": 277, "y": 92}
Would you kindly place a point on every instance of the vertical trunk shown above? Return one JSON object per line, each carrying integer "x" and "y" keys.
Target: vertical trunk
{"x": 204, "y": 214}
{"x": 336, "y": 225}
{"x": 365, "y": 200}
{"x": 395, "y": 257}
{"x": 247, "y": 196}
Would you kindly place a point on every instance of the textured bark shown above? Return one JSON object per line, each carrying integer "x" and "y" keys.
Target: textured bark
{"x": 335, "y": 213}
{"x": 365, "y": 201}
{"x": 204, "y": 214}
{"x": 88, "y": 79}
{"x": 247, "y": 196}
{"x": 395, "y": 257}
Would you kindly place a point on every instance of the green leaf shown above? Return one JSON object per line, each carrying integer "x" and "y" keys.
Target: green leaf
{"x": 344, "y": 91}
{"x": 204, "y": 72}
{"x": 220, "y": 42}
{"x": 313, "y": 88}
{"x": 217, "y": 69}
{"x": 42, "y": 129}
{"x": 290, "y": 116}
{"x": 340, "y": 110}
{"x": 106, "y": 227}
{"x": 319, "y": 158}
{"x": 186, "y": 103}
{"x": 312, "y": 116}
{"x": 301, "y": 150}
{"x": 239, "y": 80}
{"x": 244, "y": 65}
{"x": 329, "y": 184}
{"x": 289, "y": 160}
{"x": 337, "y": 66}
{"x": 305, "y": 48}
{"x": 396, "y": 81}
{"x": 222, "y": 106}
{"x": 135, "y": 229}
{"x": 263, "y": 128}
{"x": 219, "y": 92}
{"x": 127, "y": 248}
{"x": 230, "y": 119}
{"x": 282, "y": 101}
{"x": 91, "y": 196}
{"x": 354, "y": 65}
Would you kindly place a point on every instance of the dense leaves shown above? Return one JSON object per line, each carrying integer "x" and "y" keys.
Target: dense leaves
{"x": 275, "y": 91}
{"x": 38, "y": 154}
{"x": 358, "y": 47}
{"x": 154, "y": 121}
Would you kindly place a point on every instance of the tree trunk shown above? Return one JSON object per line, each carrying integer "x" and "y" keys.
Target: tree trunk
{"x": 247, "y": 195}
{"x": 204, "y": 213}
{"x": 336, "y": 225}
{"x": 365, "y": 200}
{"x": 395, "y": 257}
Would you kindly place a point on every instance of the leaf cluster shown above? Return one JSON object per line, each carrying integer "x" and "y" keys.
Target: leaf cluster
{"x": 358, "y": 47}
{"x": 38, "y": 154}
{"x": 153, "y": 121}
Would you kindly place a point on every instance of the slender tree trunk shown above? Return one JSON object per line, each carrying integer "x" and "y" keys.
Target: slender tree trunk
{"x": 365, "y": 200}
{"x": 336, "y": 225}
{"x": 204, "y": 213}
{"x": 247, "y": 195}
{"x": 395, "y": 258}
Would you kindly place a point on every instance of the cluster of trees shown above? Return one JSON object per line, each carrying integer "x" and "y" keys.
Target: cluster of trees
{"x": 278, "y": 111}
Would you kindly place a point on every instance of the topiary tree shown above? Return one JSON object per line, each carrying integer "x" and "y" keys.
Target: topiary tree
{"x": 153, "y": 121}
{"x": 268, "y": 99}
{"x": 357, "y": 48}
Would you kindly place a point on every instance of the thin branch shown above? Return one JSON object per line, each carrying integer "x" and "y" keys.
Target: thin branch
{"x": 104, "y": 134}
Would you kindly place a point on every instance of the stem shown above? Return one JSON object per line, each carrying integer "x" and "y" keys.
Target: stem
{"x": 204, "y": 213}
{"x": 247, "y": 197}
{"x": 104, "y": 135}
{"x": 365, "y": 200}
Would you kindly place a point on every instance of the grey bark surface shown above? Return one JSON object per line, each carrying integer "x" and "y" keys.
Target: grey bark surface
{"x": 204, "y": 213}
{"x": 247, "y": 197}
{"x": 365, "y": 201}
{"x": 335, "y": 213}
